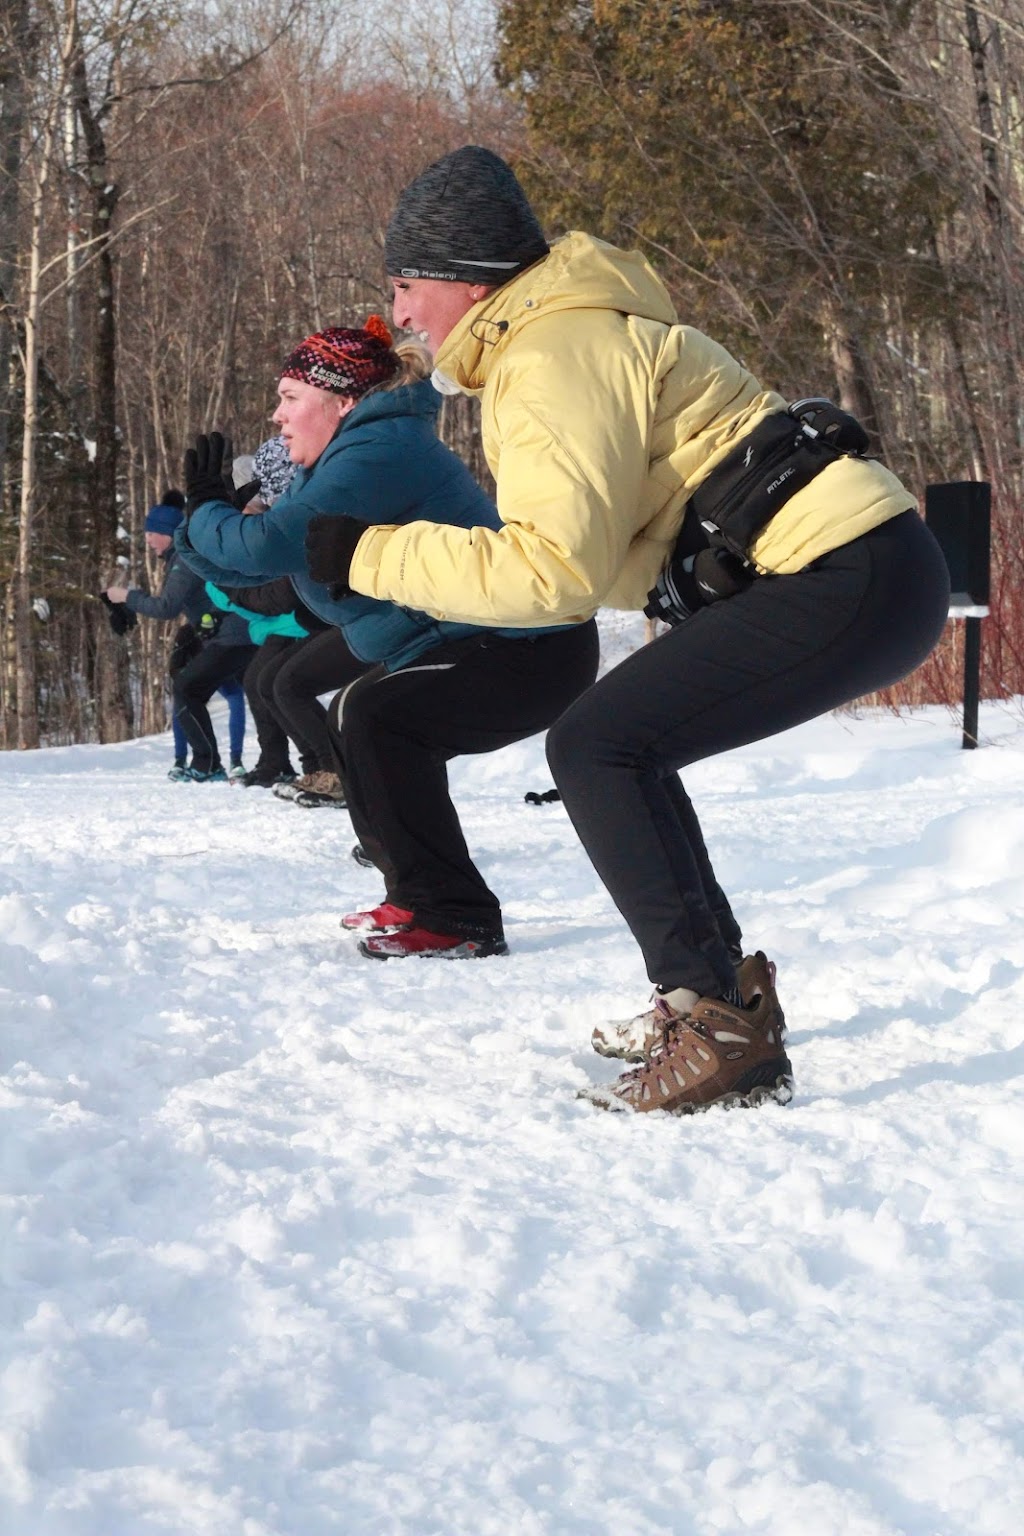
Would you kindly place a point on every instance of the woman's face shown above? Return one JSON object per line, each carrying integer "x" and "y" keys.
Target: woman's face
{"x": 308, "y": 418}
{"x": 432, "y": 307}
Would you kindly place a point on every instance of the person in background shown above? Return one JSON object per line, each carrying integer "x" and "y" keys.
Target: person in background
{"x": 272, "y": 466}
{"x": 284, "y": 688}
{"x": 639, "y": 465}
{"x": 218, "y": 654}
{"x": 359, "y": 418}
{"x": 298, "y": 658}
{"x": 273, "y": 766}
{"x": 187, "y": 645}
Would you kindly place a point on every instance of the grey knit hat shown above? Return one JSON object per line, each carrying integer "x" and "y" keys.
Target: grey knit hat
{"x": 465, "y": 219}
{"x": 273, "y": 468}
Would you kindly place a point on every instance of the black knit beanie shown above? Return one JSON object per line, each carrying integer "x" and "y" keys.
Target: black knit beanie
{"x": 465, "y": 219}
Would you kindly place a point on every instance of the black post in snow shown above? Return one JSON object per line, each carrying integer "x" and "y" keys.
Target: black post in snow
{"x": 959, "y": 513}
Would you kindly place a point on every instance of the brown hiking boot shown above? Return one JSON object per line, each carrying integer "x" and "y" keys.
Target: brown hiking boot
{"x": 319, "y": 788}
{"x": 635, "y": 1039}
{"x": 718, "y": 1054}
{"x": 755, "y": 977}
{"x": 322, "y": 782}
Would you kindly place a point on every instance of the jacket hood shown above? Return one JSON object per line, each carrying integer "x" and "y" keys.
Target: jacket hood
{"x": 416, "y": 399}
{"x": 581, "y": 272}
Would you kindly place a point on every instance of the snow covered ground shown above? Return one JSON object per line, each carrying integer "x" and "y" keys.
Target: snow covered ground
{"x": 295, "y": 1243}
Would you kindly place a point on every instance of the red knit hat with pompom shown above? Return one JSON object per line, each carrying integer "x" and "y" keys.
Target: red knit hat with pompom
{"x": 346, "y": 362}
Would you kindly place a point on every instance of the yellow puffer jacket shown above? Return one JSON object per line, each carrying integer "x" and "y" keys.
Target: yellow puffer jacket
{"x": 601, "y": 415}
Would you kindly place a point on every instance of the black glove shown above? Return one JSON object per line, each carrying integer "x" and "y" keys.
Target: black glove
{"x": 330, "y": 544}
{"x": 269, "y": 597}
{"x": 241, "y": 498}
{"x": 120, "y": 617}
{"x": 207, "y": 472}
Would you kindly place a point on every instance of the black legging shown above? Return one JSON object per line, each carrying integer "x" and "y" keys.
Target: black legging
{"x": 194, "y": 685}
{"x": 395, "y": 733}
{"x": 283, "y": 683}
{"x": 258, "y": 683}
{"x": 786, "y": 650}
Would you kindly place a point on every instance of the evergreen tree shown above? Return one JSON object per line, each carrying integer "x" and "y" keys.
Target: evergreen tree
{"x": 764, "y": 155}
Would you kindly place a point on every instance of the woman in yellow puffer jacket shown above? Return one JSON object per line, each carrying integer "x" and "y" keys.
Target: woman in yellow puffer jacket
{"x": 605, "y": 422}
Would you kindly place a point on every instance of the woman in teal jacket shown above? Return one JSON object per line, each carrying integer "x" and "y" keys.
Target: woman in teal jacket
{"x": 382, "y": 463}
{"x": 359, "y": 418}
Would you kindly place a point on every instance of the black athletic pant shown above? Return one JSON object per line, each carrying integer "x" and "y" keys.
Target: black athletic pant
{"x": 317, "y": 665}
{"x": 395, "y": 733}
{"x": 194, "y": 685}
{"x": 283, "y": 683}
{"x": 258, "y": 683}
{"x": 784, "y": 651}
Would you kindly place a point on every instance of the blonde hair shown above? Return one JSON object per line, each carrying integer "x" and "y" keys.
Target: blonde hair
{"x": 415, "y": 363}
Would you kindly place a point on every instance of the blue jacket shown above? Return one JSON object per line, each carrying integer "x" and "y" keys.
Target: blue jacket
{"x": 384, "y": 464}
{"x": 184, "y": 595}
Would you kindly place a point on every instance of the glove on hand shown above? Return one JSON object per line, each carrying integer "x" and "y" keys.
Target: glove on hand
{"x": 241, "y": 498}
{"x": 269, "y": 597}
{"x": 119, "y": 616}
{"x": 330, "y": 544}
{"x": 208, "y": 472}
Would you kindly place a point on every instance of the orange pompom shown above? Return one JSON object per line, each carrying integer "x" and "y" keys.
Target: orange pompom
{"x": 375, "y": 326}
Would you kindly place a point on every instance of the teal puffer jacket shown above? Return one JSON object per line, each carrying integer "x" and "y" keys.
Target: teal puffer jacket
{"x": 384, "y": 464}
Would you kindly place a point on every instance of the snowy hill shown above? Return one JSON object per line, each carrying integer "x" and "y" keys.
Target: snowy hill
{"x": 298, "y": 1244}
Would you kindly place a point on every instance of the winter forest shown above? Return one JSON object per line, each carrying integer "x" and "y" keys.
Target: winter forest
{"x": 832, "y": 189}
{"x": 293, "y": 1244}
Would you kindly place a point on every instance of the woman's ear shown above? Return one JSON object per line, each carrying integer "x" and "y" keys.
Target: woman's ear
{"x": 343, "y": 404}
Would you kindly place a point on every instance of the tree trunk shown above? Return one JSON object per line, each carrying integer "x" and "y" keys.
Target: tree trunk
{"x": 986, "y": 121}
{"x": 113, "y": 702}
{"x": 15, "y": 37}
{"x": 21, "y": 596}
{"x": 856, "y": 394}
{"x": 14, "y": 64}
